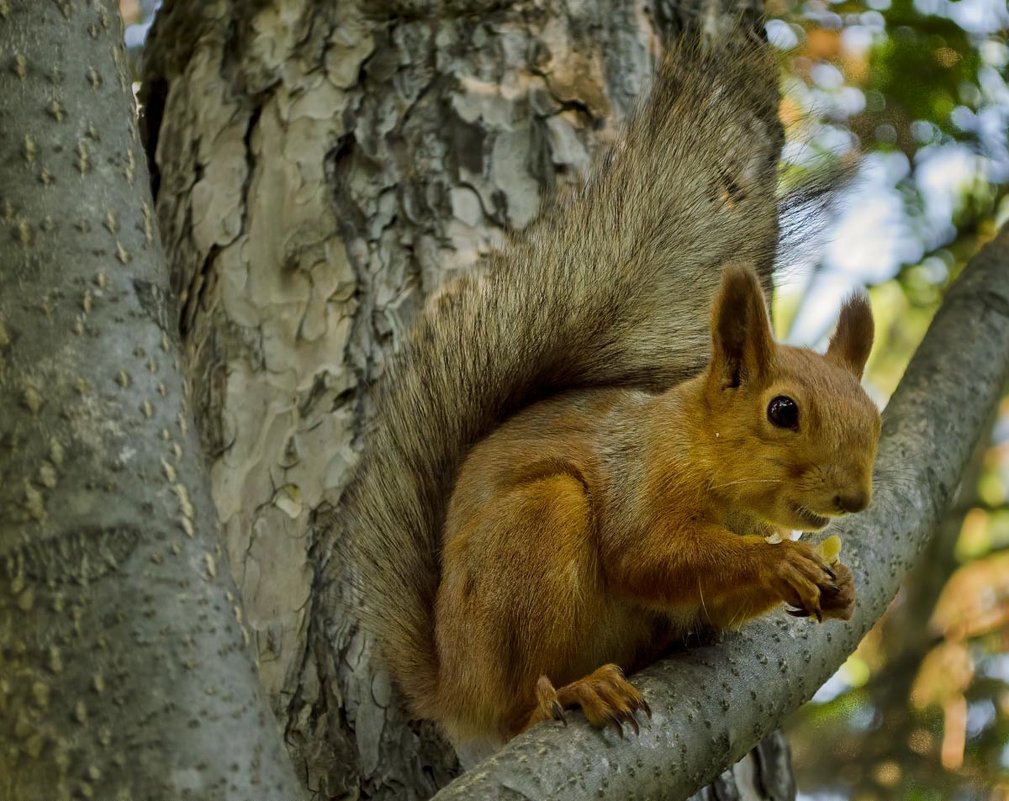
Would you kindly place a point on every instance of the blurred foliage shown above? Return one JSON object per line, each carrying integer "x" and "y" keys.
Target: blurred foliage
{"x": 916, "y": 92}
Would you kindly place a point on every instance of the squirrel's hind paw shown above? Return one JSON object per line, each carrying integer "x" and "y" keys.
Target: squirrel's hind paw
{"x": 547, "y": 706}
{"x": 606, "y": 698}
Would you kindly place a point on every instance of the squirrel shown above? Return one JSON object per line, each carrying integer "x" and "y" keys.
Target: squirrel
{"x": 570, "y": 466}
{"x": 595, "y": 526}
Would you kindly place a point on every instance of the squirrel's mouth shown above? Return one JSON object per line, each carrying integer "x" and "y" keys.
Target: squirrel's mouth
{"x": 814, "y": 520}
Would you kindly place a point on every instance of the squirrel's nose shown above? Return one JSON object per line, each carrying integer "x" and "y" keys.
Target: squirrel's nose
{"x": 853, "y": 502}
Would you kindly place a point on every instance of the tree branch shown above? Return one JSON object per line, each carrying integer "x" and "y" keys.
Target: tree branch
{"x": 712, "y": 704}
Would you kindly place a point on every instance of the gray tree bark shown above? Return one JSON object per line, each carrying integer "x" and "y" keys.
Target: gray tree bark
{"x": 319, "y": 169}
{"x": 124, "y": 666}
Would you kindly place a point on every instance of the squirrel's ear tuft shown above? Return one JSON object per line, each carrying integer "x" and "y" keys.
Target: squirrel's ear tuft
{"x": 852, "y": 341}
{"x": 742, "y": 346}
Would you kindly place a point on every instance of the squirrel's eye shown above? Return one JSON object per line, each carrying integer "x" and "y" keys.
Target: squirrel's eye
{"x": 783, "y": 412}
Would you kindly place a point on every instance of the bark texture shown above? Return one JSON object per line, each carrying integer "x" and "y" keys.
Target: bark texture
{"x": 711, "y": 704}
{"x": 124, "y": 666}
{"x": 764, "y": 774}
{"x": 319, "y": 169}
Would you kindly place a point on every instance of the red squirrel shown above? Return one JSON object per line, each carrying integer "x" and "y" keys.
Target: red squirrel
{"x": 571, "y": 463}
{"x": 593, "y": 527}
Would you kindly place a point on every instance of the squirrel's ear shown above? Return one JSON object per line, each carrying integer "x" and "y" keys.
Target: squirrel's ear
{"x": 742, "y": 346}
{"x": 852, "y": 341}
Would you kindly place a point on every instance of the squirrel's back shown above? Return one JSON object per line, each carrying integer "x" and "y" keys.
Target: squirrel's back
{"x": 612, "y": 290}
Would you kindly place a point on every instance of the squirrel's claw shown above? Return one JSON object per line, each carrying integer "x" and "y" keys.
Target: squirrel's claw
{"x": 632, "y": 722}
{"x": 817, "y": 613}
{"x": 606, "y": 698}
{"x": 619, "y": 717}
{"x": 548, "y": 706}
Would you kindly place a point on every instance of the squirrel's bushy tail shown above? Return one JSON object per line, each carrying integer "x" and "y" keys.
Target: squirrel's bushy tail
{"x": 613, "y": 289}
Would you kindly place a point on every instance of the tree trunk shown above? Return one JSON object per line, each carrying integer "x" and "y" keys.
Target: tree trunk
{"x": 319, "y": 169}
{"x": 123, "y": 667}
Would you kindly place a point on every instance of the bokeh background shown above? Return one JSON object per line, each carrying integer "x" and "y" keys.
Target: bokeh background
{"x": 918, "y": 91}
{"x": 915, "y": 93}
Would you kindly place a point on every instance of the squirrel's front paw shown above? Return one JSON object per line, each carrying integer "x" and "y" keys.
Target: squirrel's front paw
{"x": 839, "y": 603}
{"x": 802, "y": 579}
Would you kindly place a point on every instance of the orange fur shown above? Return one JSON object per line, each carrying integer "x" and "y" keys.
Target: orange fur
{"x": 595, "y": 526}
